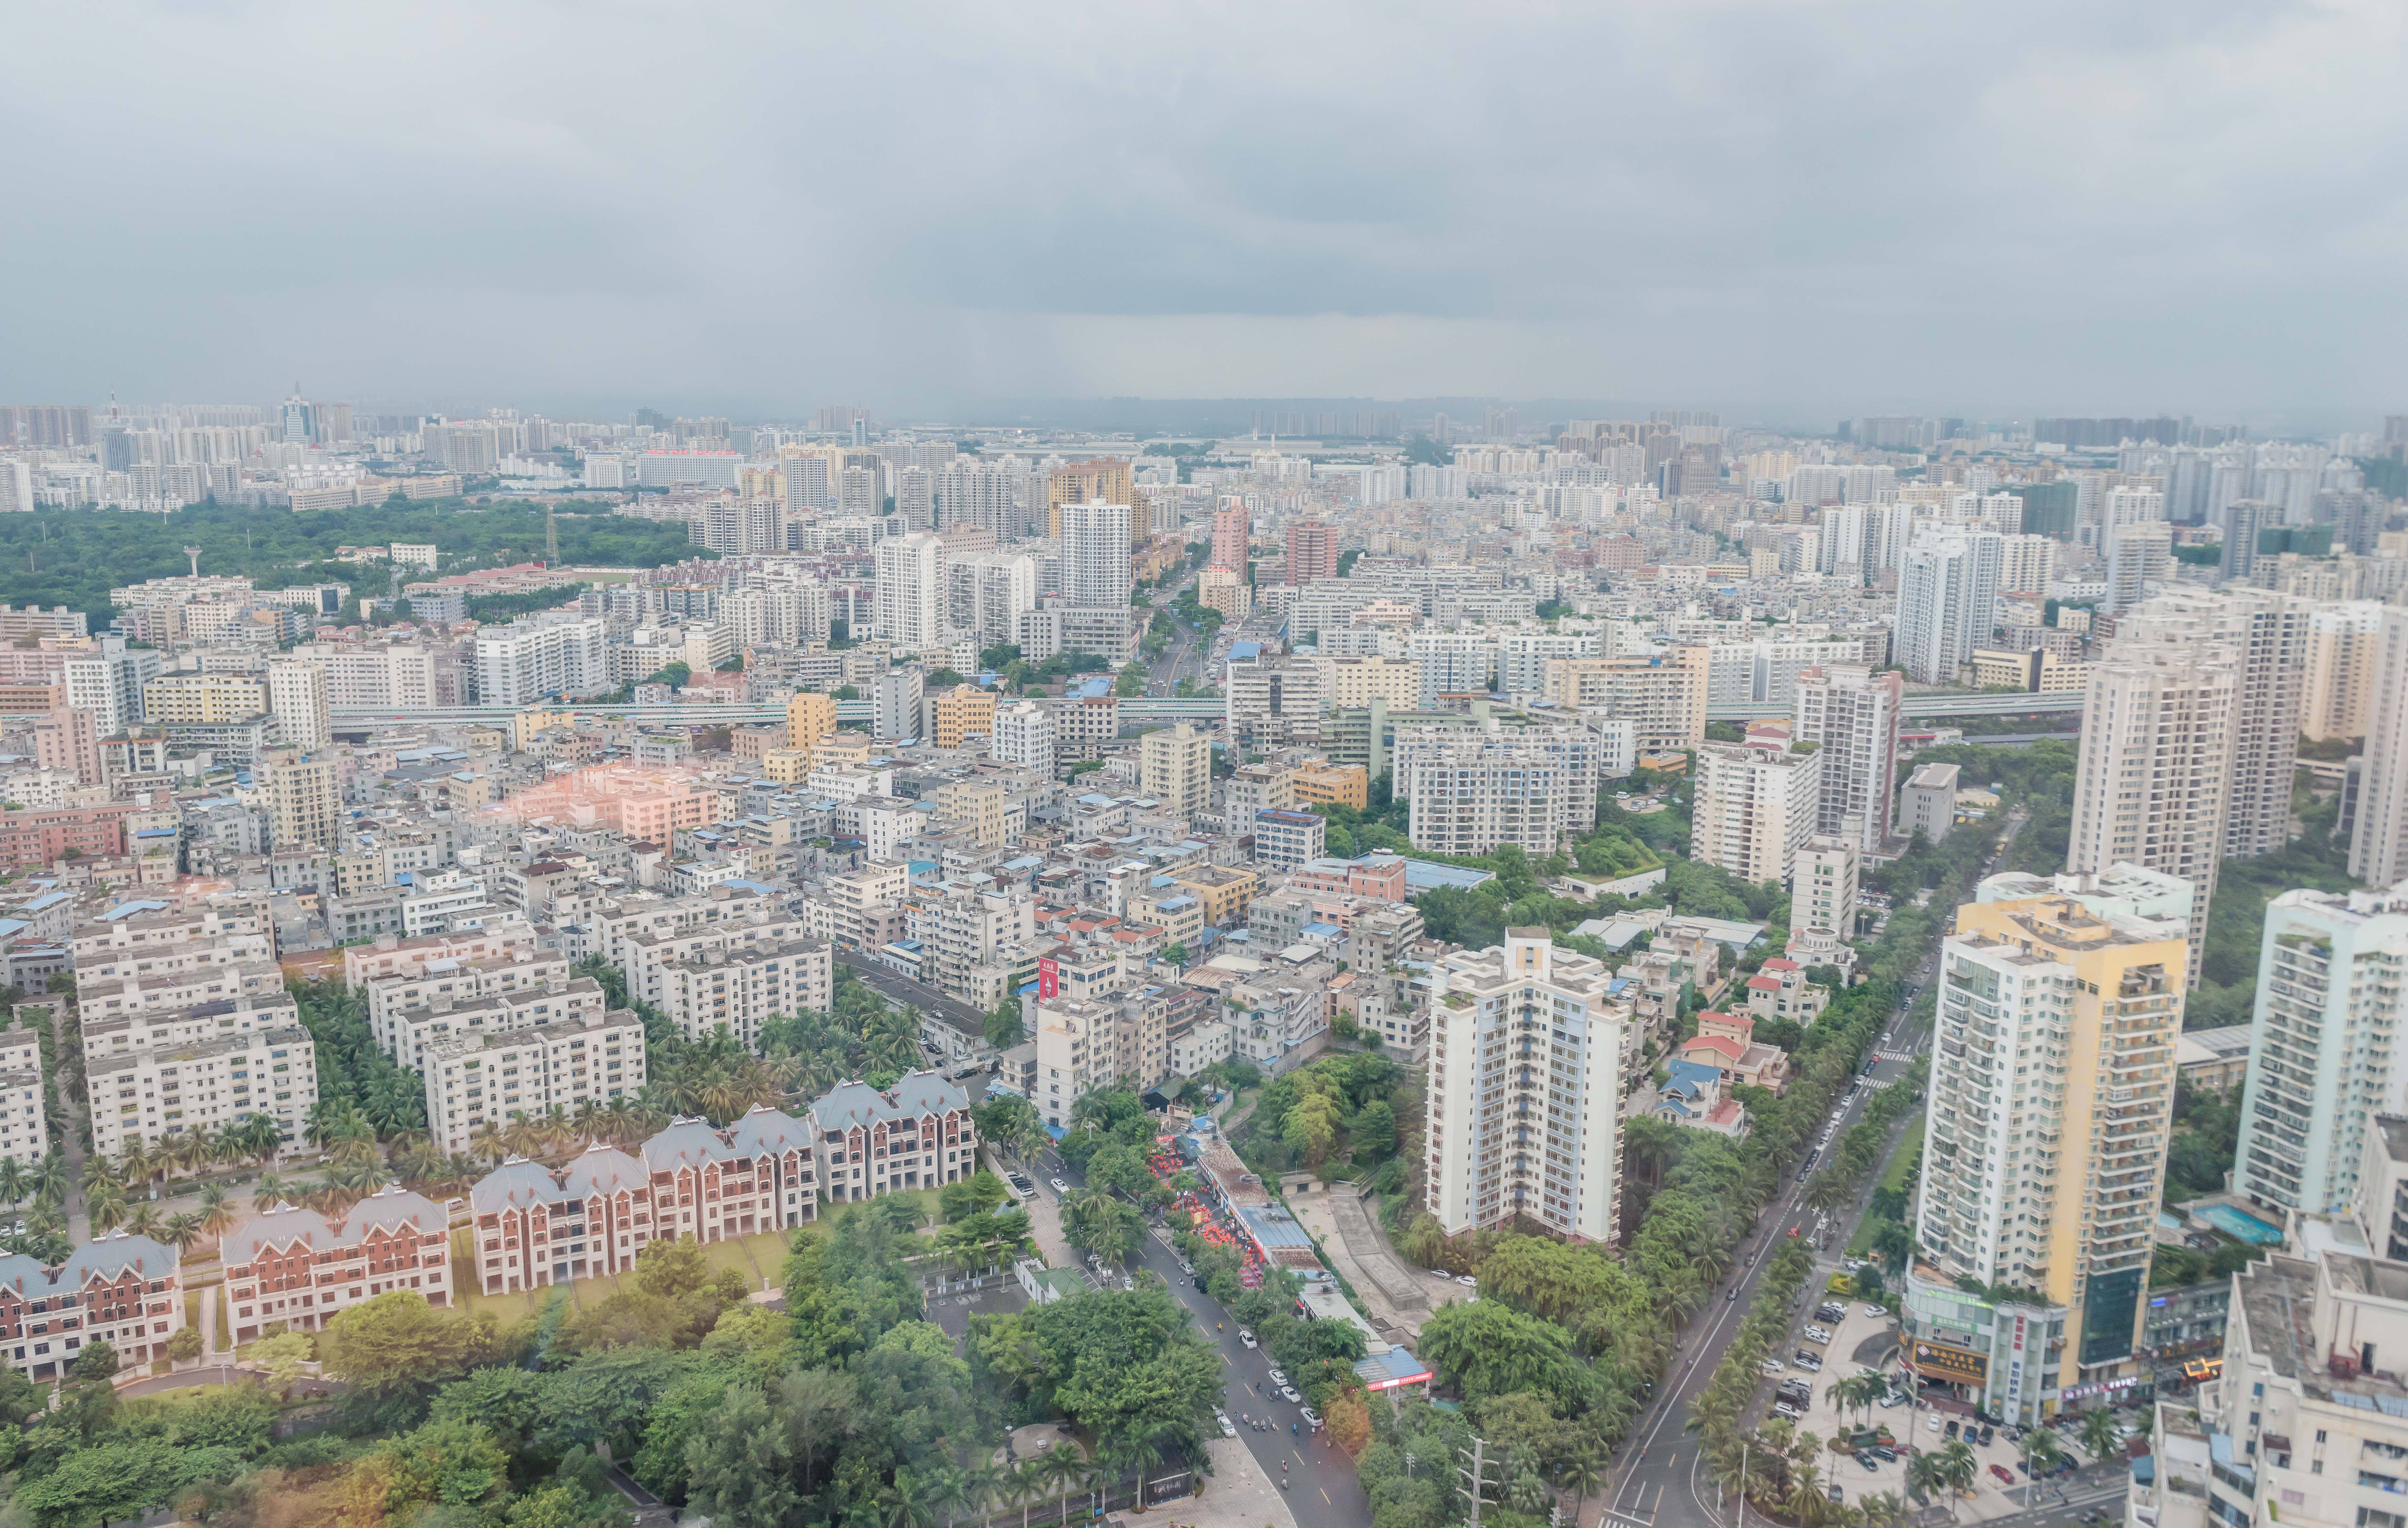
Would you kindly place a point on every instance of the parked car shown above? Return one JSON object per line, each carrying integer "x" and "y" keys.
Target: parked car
{"x": 1279, "y": 1376}
{"x": 1834, "y": 1492}
{"x": 1831, "y": 1311}
{"x": 1466, "y": 1281}
{"x": 1245, "y": 1336}
{"x": 1804, "y": 1360}
{"x": 1892, "y": 1399}
{"x": 1287, "y": 1392}
{"x": 1876, "y": 1312}
{"x": 1865, "y": 1458}
{"x": 1769, "y": 1367}
{"x": 2006, "y": 1477}
{"x": 1931, "y": 1423}
{"x": 1949, "y": 1431}
{"x": 1817, "y": 1334}
{"x": 1312, "y": 1418}
{"x": 1987, "y": 1434}
{"x": 1783, "y": 1408}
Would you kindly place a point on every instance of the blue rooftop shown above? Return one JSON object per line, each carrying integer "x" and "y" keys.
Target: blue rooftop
{"x": 1244, "y": 650}
{"x": 1274, "y": 1227}
{"x": 1421, "y": 875}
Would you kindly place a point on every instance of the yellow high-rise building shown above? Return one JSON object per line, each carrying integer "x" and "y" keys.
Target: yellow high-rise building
{"x": 1104, "y": 479}
{"x": 2052, "y": 1096}
{"x": 956, "y": 713}
{"x": 810, "y": 717}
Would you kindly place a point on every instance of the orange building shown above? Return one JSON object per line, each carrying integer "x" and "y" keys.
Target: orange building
{"x": 1333, "y": 785}
{"x": 956, "y": 713}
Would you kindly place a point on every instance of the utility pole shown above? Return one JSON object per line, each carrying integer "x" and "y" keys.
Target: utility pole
{"x": 1477, "y": 1478}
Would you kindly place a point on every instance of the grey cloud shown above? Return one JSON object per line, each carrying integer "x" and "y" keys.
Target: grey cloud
{"x": 1831, "y": 206}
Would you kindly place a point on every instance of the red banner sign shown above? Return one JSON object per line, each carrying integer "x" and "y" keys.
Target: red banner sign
{"x": 1049, "y": 980}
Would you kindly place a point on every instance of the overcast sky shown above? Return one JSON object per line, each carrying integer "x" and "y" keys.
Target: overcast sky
{"x": 1794, "y": 211}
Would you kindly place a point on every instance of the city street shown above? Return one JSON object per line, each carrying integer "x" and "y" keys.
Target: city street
{"x": 1661, "y": 1479}
{"x": 1326, "y": 1493}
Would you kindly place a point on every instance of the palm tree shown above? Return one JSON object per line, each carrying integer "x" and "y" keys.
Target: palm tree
{"x": 487, "y": 1142}
{"x": 134, "y": 1161}
{"x": 2101, "y": 1433}
{"x": 14, "y": 1183}
{"x": 181, "y": 1231}
{"x": 99, "y": 1171}
{"x": 1584, "y": 1472}
{"x": 266, "y": 1192}
{"x": 949, "y": 1488}
{"x": 144, "y": 1220}
{"x": 1956, "y": 1459}
{"x": 1065, "y": 1468}
{"x": 104, "y": 1206}
{"x": 51, "y": 1177}
{"x": 217, "y": 1210}
{"x": 2041, "y": 1451}
{"x": 907, "y": 1504}
{"x": 1924, "y": 1475}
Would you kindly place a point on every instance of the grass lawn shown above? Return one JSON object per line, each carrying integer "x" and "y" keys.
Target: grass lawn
{"x": 759, "y": 1256}
{"x": 1901, "y": 1162}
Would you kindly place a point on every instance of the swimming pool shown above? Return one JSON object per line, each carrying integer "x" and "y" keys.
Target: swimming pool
{"x": 2241, "y": 1223}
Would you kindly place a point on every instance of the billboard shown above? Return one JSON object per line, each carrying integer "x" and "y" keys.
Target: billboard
{"x": 1938, "y": 1361}
{"x": 1049, "y": 980}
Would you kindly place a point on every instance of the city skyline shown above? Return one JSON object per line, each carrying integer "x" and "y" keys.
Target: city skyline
{"x": 2164, "y": 212}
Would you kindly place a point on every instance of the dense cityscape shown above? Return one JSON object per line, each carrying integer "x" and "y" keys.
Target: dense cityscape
{"x": 1599, "y": 971}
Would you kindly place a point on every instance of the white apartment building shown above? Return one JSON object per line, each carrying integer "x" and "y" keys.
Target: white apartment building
{"x": 382, "y": 676}
{"x": 1075, "y": 1055}
{"x": 149, "y": 1029}
{"x": 647, "y": 957}
{"x": 448, "y": 983}
{"x": 25, "y": 1119}
{"x": 975, "y": 918}
{"x": 745, "y": 986}
{"x": 2378, "y": 848}
{"x": 480, "y": 1078}
{"x": 1175, "y": 767}
{"x": 1852, "y": 714}
{"x": 2155, "y": 768}
{"x": 1095, "y": 573}
{"x": 1525, "y": 1095}
{"x": 540, "y": 656}
{"x": 2324, "y": 1046}
{"x": 299, "y": 698}
{"x": 1823, "y": 898}
{"x": 1024, "y": 737}
{"x": 155, "y": 1094}
{"x": 908, "y": 607}
{"x": 2265, "y": 638}
{"x": 418, "y": 1031}
{"x": 1755, "y": 804}
{"x": 1470, "y": 795}
{"x": 1947, "y": 601}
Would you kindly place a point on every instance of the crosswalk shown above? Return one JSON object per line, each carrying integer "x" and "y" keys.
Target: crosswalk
{"x": 1893, "y": 1055}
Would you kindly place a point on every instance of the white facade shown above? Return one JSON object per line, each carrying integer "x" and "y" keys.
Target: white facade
{"x": 1947, "y": 601}
{"x": 1024, "y": 736}
{"x": 1525, "y": 1089}
{"x": 1823, "y": 897}
{"x": 152, "y": 1095}
{"x": 2378, "y": 848}
{"x": 908, "y": 609}
{"x": 481, "y": 1079}
{"x": 299, "y": 699}
{"x": 1754, "y": 805}
{"x": 1096, "y": 570}
{"x": 1471, "y": 794}
{"x": 25, "y": 1120}
{"x": 1852, "y": 714}
{"x": 526, "y": 661}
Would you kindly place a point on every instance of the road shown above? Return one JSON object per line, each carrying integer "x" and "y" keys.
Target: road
{"x": 1325, "y": 1494}
{"x": 1659, "y": 1477}
{"x": 1184, "y": 657}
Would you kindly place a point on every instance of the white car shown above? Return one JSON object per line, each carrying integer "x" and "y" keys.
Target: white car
{"x": 1931, "y": 1423}
{"x": 1312, "y": 1418}
{"x": 1892, "y": 1399}
{"x": 1059, "y": 1187}
{"x": 1466, "y": 1281}
{"x": 1815, "y": 1334}
{"x": 1287, "y": 1392}
{"x": 1279, "y": 1376}
{"x": 1876, "y": 1312}
{"x": 1245, "y": 1336}
{"x": 1783, "y": 1408}
{"x": 1771, "y": 1366}
{"x": 1228, "y": 1428}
